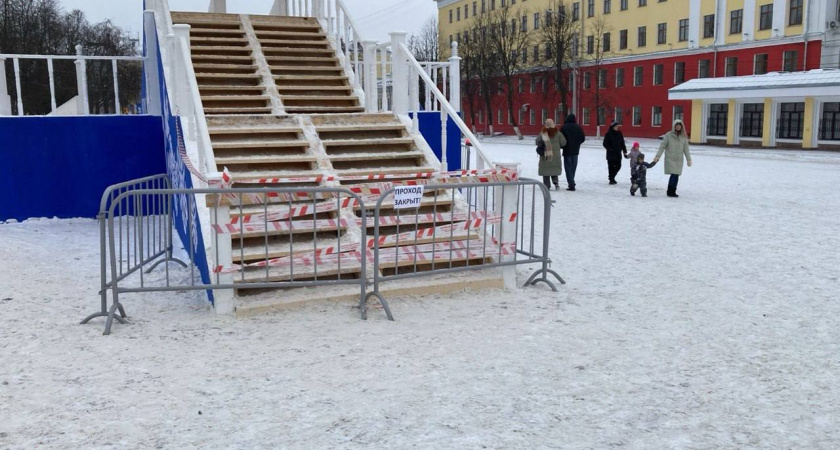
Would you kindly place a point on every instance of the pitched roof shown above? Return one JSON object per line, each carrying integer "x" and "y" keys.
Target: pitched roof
{"x": 784, "y": 84}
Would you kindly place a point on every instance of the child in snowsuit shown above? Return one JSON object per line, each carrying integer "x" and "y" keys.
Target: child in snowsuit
{"x": 633, "y": 157}
{"x": 641, "y": 175}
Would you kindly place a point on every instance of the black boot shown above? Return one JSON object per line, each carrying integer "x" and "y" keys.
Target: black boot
{"x": 672, "y": 193}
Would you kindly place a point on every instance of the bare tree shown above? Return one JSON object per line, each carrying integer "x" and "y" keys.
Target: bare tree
{"x": 425, "y": 45}
{"x": 598, "y": 48}
{"x": 485, "y": 63}
{"x": 42, "y": 27}
{"x": 557, "y": 36}
{"x": 511, "y": 41}
{"x": 469, "y": 54}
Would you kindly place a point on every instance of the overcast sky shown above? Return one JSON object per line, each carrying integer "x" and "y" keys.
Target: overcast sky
{"x": 375, "y": 17}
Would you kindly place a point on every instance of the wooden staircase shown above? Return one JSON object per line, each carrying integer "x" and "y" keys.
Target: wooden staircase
{"x": 280, "y": 105}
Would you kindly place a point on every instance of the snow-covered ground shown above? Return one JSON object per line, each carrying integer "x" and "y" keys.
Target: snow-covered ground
{"x": 708, "y": 321}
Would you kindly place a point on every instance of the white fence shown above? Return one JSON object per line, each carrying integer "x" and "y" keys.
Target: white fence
{"x": 82, "y": 102}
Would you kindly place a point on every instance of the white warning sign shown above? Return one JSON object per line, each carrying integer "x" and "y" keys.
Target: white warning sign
{"x": 408, "y": 196}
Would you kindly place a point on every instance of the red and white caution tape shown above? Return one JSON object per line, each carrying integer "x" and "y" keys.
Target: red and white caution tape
{"x": 443, "y": 251}
{"x": 286, "y": 226}
{"x": 441, "y": 231}
{"x": 424, "y": 218}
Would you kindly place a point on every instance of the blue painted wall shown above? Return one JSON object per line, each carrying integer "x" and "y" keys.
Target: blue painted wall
{"x": 59, "y": 166}
{"x": 430, "y": 129}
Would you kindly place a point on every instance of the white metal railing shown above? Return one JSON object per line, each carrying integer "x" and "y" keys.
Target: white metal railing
{"x": 82, "y": 99}
{"x": 181, "y": 81}
{"x": 417, "y": 72}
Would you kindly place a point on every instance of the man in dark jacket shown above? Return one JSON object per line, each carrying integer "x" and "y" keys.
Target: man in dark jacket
{"x": 574, "y": 138}
{"x": 614, "y": 143}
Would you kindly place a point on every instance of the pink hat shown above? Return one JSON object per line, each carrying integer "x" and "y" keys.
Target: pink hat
{"x": 635, "y": 143}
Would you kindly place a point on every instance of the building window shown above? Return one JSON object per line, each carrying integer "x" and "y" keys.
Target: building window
{"x": 703, "y": 68}
{"x": 492, "y": 5}
{"x": 587, "y": 80}
{"x": 533, "y": 85}
{"x": 637, "y": 116}
{"x": 499, "y": 116}
{"x": 475, "y": 8}
{"x": 521, "y": 88}
{"x": 731, "y": 67}
{"x": 606, "y": 42}
{"x": 524, "y": 24}
{"x": 483, "y": 6}
{"x": 525, "y": 57}
{"x": 789, "y": 61}
{"x": 590, "y": 45}
{"x": 481, "y": 116}
{"x": 791, "y": 120}
{"x": 709, "y": 26}
{"x": 718, "y": 116}
{"x": 575, "y": 45}
{"x": 752, "y": 120}
{"x": 656, "y": 118}
{"x": 619, "y": 77}
{"x": 590, "y": 8}
{"x": 536, "y": 21}
{"x": 642, "y": 37}
{"x": 602, "y": 78}
{"x": 607, "y": 6}
{"x": 450, "y": 16}
{"x": 642, "y": 3}
{"x": 765, "y": 20}
{"x": 678, "y": 112}
{"x": 679, "y": 72}
{"x": 736, "y": 20}
{"x": 585, "y": 118}
{"x": 548, "y": 54}
{"x": 510, "y": 118}
{"x": 619, "y": 114}
{"x": 638, "y": 75}
{"x": 544, "y": 115}
{"x": 760, "y": 65}
{"x": 683, "y": 30}
{"x": 536, "y": 53}
{"x": 658, "y": 69}
{"x": 830, "y": 123}
{"x": 521, "y": 116}
{"x": 466, "y": 11}
{"x": 661, "y": 33}
{"x": 602, "y": 116}
{"x": 575, "y": 11}
{"x": 622, "y": 40}
{"x": 624, "y": 5}
{"x": 532, "y": 116}
{"x": 795, "y": 16}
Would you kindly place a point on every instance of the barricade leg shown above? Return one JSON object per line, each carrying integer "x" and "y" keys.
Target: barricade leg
{"x": 545, "y": 270}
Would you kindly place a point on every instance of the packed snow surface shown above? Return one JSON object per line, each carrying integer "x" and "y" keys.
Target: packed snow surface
{"x": 708, "y": 321}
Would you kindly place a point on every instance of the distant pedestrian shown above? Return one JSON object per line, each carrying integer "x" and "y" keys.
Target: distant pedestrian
{"x": 574, "y": 138}
{"x": 614, "y": 143}
{"x": 549, "y": 142}
{"x": 675, "y": 147}
{"x": 633, "y": 157}
{"x": 640, "y": 182}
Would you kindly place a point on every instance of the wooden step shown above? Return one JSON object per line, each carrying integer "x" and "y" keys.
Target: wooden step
{"x": 221, "y": 41}
{"x": 296, "y": 60}
{"x": 213, "y": 59}
{"x": 309, "y": 91}
{"x": 272, "y": 43}
{"x": 215, "y": 32}
{"x": 252, "y": 130}
{"x": 323, "y": 109}
{"x": 359, "y": 127}
{"x": 367, "y": 142}
{"x": 297, "y": 35}
{"x": 237, "y": 111}
{"x": 378, "y": 156}
{"x": 224, "y": 68}
{"x": 260, "y": 144}
{"x": 265, "y": 159}
{"x": 386, "y": 171}
{"x": 324, "y": 98}
{"x": 306, "y": 69}
{"x": 233, "y": 98}
{"x": 217, "y": 50}
{"x": 239, "y": 90}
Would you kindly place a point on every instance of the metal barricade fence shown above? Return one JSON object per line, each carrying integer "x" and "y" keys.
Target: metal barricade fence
{"x": 463, "y": 226}
{"x": 136, "y": 221}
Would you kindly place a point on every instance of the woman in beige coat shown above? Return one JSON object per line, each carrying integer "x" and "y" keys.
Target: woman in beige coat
{"x": 550, "y": 140}
{"x": 675, "y": 147}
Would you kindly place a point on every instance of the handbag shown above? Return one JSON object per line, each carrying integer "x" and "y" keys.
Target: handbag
{"x": 541, "y": 149}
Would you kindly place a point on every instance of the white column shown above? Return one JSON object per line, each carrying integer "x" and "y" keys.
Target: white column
{"x": 748, "y": 28}
{"x": 370, "y": 75}
{"x": 51, "y": 74}
{"x": 774, "y": 118}
{"x": 780, "y": 13}
{"x": 221, "y": 252}
{"x": 444, "y": 163}
{"x": 455, "y": 78}
{"x": 218, "y": 6}
{"x": 721, "y": 20}
{"x": 815, "y": 123}
{"x": 694, "y": 32}
{"x": 507, "y": 199}
{"x": 399, "y": 73}
{"x": 150, "y": 65}
{"x": 279, "y": 8}
{"x": 81, "y": 83}
{"x": 5, "y": 98}
{"x": 182, "y": 41}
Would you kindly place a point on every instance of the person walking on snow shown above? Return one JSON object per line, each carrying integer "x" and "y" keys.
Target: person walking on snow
{"x": 614, "y": 143}
{"x": 640, "y": 182}
{"x": 675, "y": 147}
{"x": 633, "y": 157}
{"x": 574, "y": 138}
{"x": 549, "y": 142}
